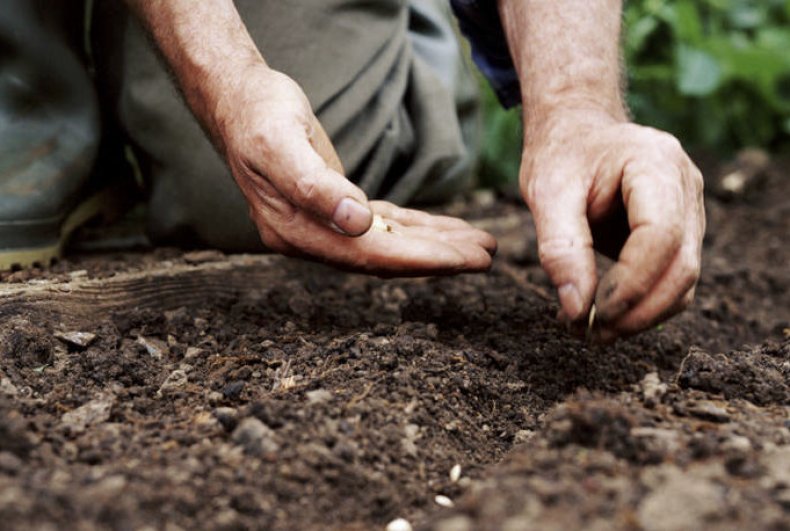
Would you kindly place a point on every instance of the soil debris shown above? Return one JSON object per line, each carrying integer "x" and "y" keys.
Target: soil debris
{"x": 334, "y": 401}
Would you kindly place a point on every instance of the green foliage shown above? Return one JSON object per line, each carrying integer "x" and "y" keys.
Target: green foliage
{"x": 716, "y": 73}
{"x": 500, "y": 155}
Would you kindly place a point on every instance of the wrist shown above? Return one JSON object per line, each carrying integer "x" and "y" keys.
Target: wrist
{"x": 573, "y": 116}
{"x": 208, "y": 50}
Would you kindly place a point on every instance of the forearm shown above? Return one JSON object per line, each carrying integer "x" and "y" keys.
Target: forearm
{"x": 207, "y": 47}
{"x": 567, "y": 54}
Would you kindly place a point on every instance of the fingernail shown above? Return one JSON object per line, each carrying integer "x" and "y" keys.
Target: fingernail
{"x": 351, "y": 217}
{"x": 571, "y": 301}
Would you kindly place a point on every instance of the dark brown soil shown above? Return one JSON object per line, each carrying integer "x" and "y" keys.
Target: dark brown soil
{"x": 335, "y": 401}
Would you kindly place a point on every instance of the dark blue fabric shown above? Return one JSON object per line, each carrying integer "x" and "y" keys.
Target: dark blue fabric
{"x": 479, "y": 22}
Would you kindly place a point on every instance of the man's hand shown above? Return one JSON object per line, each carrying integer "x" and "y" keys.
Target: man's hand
{"x": 592, "y": 179}
{"x": 583, "y": 171}
{"x": 302, "y": 204}
{"x": 283, "y": 161}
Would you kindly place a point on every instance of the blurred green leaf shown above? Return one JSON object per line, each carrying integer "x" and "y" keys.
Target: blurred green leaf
{"x": 747, "y": 16}
{"x": 716, "y": 73}
{"x": 686, "y": 21}
{"x": 699, "y": 74}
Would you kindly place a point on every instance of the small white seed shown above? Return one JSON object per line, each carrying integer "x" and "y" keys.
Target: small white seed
{"x": 399, "y": 524}
{"x": 455, "y": 473}
{"x": 379, "y": 225}
{"x": 443, "y": 501}
{"x": 590, "y": 323}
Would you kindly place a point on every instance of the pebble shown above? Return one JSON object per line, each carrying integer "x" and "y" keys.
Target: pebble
{"x": 214, "y": 397}
{"x": 156, "y": 348}
{"x": 399, "y": 524}
{"x": 233, "y": 390}
{"x": 255, "y": 437}
{"x": 94, "y": 412}
{"x": 318, "y": 396}
{"x": 76, "y": 339}
{"x": 227, "y": 416}
{"x": 193, "y": 353}
{"x": 653, "y": 389}
{"x": 523, "y": 436}
{"x": 7, "y": 388}
{"x": 175, "y": 381}
{"x": 737, "y": 443}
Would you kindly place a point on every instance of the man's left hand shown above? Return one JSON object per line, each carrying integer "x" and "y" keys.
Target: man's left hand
{"x": 579, "y": 171}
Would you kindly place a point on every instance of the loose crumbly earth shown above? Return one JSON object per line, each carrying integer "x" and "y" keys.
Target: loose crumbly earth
{"x": 336, "y": 401}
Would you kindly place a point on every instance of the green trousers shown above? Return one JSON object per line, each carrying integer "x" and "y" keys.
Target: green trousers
{"x": 385, "y": 78}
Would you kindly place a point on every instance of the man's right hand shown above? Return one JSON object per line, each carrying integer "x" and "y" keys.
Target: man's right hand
{"x": 303, "y": 205}
{"x": 283, "y": 160}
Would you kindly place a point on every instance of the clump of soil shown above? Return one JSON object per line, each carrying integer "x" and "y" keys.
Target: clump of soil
{"x": 664, "y": 456}
{"x": 335, "y": 401}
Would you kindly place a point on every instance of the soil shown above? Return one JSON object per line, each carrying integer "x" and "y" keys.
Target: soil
{"x": 336, "y": 401}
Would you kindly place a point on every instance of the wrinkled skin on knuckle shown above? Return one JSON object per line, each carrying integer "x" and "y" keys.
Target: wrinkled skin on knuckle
{"x": 306, "y": 188}
{"x": 674, "y": 229}
{"x": 690, "y": 271}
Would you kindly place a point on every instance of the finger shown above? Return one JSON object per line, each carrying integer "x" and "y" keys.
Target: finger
{"x": 675, "y": 289}
{"x": 450, "y": 226}
{"x": 410, "y": 216}
{"x": 385, "y": 253}
{"x": 462, "y": 239}
{"x": 308, "y": 181}
{"x": 628, "y": 326}
{"x": 565, "y": 243}
{"x": 656, "y": 206}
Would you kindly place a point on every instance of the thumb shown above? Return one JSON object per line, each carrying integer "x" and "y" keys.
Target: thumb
{"x": 565, "y": 245}
{"x": 308, "y": 172}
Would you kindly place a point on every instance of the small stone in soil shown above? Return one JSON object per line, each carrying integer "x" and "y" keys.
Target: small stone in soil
{"x": 94, "y": 412}
{"x": 175, "y": 381}
{"x": 233, "y": 390}
{"x": 318, "y": 396}
{"x": 6, "y": 387}
{"x": 523, "y": 436}
{"x": 156, "y": 348}
{"x": 255, "y": 437}
{"x": 227, "y": 417}
{"x": 76, "y": 339}
{"x": 652, "y": 388}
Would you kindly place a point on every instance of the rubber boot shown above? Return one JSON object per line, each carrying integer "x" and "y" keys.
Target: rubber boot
{"x": 49, "y": 135}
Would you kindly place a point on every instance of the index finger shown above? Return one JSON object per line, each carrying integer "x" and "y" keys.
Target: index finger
{"x": 653, "y": 196}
